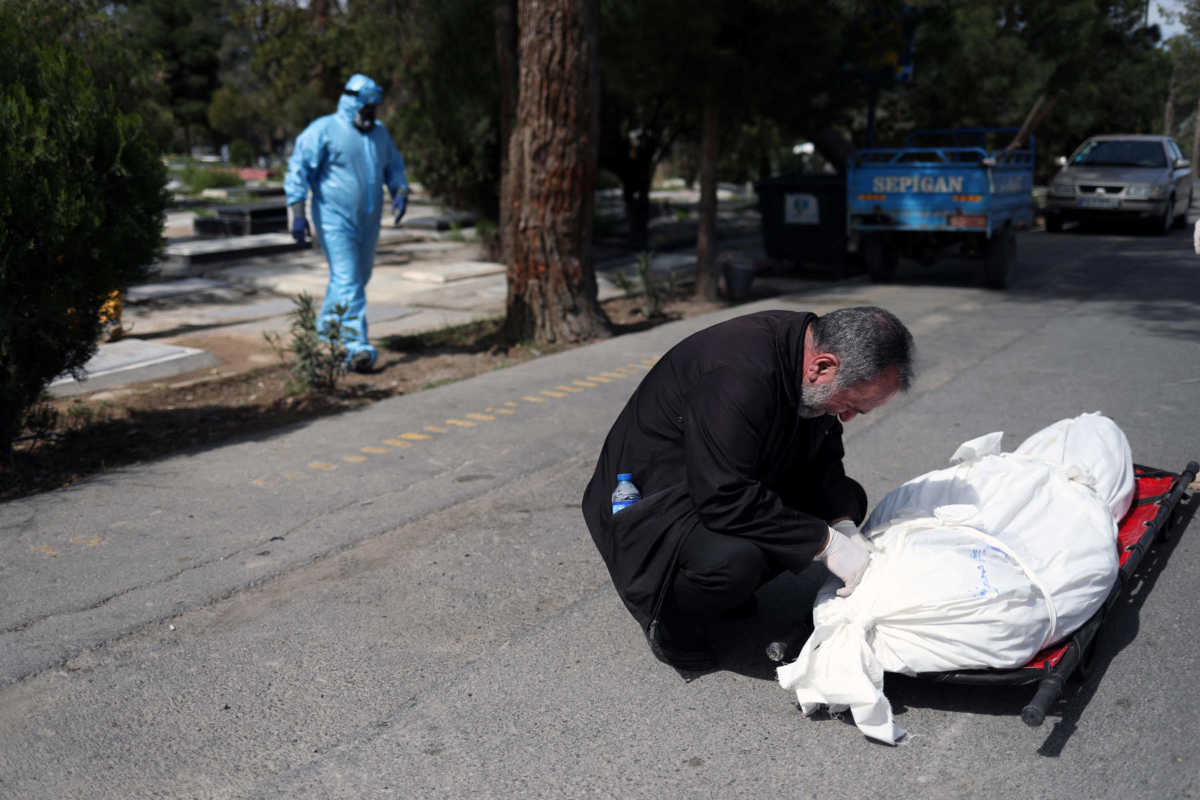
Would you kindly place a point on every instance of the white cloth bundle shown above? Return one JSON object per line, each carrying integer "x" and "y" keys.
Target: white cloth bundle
{"x": 979, "y": 565}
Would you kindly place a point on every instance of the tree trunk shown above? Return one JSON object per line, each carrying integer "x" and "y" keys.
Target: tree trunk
{"x": 1041, "y": 107}
{"x": 706, "y": 238}
{"x": 1169, "y": 109}
{"x": 1027, "y": 126}
{"x": 1196, "y": 143}
{"x": 551, "y": 178}
{"x": 635, "y": 192}
{"x": 506, "y": 55}
{"x": 833, "y": 147}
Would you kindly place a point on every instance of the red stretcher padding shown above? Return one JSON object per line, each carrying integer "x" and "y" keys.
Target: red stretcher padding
{"x": 1136, "y": 524}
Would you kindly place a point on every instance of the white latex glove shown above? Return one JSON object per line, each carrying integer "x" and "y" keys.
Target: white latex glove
{"x": 847, "y": 557}
{"x": 850, "y": 529}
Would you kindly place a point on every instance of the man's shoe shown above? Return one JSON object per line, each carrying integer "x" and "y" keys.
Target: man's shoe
{"x": 361, "y": 361}
{"x": 682, "y": 654}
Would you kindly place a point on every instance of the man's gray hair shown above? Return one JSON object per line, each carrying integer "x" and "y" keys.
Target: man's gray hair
{"x": 868, "y": 341}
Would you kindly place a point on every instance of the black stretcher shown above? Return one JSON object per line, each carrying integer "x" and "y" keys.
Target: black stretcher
{"x": 1151, "y": 516}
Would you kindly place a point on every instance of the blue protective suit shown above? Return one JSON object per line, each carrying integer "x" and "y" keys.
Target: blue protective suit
{"x": 346, "y": 170}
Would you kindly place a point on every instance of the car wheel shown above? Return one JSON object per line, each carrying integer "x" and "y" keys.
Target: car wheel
{"x": 1162, "y": 224}
{"x": 998, "y": 259}
{"x": 1180, "y": 220}
{"x": 880, "y": 258}
{"x": 1054, "y": 223}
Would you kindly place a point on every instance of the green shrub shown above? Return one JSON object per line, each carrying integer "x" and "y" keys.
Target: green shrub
{"x": 242, "y": 153}
{"x": 319, "y": 360}
{"x": 199, "y": 178}
{"x": 607, "y": 180}
{"x": 489, "y": 237}
{"x": 81, "y": 213}
{"x": 651, "y": 290}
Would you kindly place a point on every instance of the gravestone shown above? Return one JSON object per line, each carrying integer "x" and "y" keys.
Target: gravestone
{"x": 269, "y": 216}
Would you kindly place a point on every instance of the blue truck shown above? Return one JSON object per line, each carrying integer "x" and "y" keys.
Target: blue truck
{"x": 944, "y": 190}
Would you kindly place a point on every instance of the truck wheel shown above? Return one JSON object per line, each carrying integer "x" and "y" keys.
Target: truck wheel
{"x": 998, "y": 259}
{"x": 880, "y": 258}
{"x": 1054, "y": 223}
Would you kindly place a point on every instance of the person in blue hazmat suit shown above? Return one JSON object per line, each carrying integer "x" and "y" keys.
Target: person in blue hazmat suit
{"x": 346, "y": 158}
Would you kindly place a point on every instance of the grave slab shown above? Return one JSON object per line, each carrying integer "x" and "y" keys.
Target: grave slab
{"x": 230, "y": 248}
{"x": 451, "y": 271}
{"x": 444, "y": 222}
{"x": 132, "y": 360}
{"x": 159, "y": 291}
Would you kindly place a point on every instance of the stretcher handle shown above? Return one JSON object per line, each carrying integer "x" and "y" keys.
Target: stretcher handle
{"x": 1049, "y": 689}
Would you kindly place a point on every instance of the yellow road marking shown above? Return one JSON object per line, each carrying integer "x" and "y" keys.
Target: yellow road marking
{"x": 90, "y": 541}
{"x": 259, "y": 482}
{"x": 46, "y": 550}
{"x": 558, "y": 392}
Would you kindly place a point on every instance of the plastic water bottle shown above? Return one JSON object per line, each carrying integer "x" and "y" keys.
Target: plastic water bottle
{"x": 626, "y": 494}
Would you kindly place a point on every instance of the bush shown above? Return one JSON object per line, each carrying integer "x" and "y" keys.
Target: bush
{"x": 320, "y": 357}
{"x": 242, "y": 153}
{"x": 81, "y": 213}
{"x": 200, "y": 178}
{"x": 489, "y": 237}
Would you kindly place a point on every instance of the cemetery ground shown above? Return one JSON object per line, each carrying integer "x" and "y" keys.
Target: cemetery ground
{"x": 73, "y": 438}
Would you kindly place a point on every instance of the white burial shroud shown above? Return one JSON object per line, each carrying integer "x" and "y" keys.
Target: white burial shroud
{"x": 979, "y": 565}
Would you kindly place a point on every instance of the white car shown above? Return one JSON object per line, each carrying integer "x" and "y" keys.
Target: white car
{"x": 1122, "y": 176}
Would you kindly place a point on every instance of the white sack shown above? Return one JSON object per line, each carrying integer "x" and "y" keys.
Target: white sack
{"x": 979, "y": 565}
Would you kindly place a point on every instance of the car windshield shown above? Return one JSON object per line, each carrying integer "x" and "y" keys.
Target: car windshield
{"x": 1120, "y": 153}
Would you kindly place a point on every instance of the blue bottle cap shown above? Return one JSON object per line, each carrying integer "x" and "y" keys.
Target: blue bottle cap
{"x": 624, "y": 476}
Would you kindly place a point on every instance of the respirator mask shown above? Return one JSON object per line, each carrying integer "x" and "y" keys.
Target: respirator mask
{"x": 364, "y": 120}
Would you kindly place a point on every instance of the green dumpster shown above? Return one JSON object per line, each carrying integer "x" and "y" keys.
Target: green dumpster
{"x": 804, "y": 219}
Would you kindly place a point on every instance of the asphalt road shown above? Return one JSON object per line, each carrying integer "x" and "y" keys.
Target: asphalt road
{"x": 404, "y": 602}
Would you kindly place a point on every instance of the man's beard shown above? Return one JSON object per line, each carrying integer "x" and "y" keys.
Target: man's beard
{"x": 814, "y": 399}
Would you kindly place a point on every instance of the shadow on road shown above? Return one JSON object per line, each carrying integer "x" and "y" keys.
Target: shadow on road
{"x": 1150, "y": 278}
{"x": 785, "y": 615}
{"x": 1119, "y": 630}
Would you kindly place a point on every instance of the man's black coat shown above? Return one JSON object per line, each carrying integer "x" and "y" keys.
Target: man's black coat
{"x": 714, "y": 437}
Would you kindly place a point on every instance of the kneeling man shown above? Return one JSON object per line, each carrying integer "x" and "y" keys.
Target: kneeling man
{"x": 734, "y": 439}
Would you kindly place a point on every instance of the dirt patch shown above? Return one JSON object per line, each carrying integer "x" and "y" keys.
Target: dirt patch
{"x": 251, "y": 392}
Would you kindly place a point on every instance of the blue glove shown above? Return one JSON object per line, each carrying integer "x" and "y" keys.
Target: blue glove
{"x": 300, "y": 227}
{"x": 399, "y": 205}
